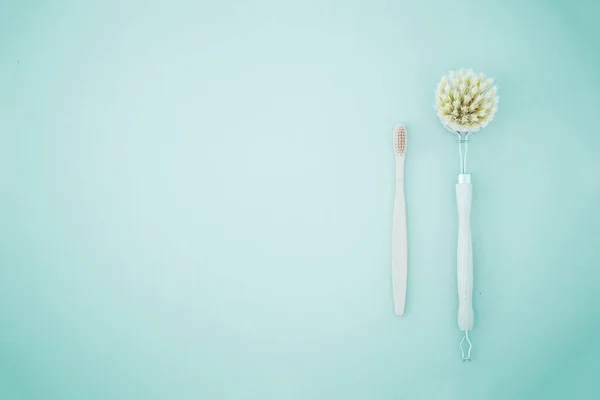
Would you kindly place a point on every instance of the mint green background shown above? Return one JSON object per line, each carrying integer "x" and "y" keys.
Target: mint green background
{"x": 196, "y": 200}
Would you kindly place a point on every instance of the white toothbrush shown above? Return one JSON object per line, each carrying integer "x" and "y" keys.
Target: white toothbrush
{"x": 399, "y": 236}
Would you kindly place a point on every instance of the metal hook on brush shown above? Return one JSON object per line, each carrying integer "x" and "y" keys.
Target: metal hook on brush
{"x": 463, "y": 139}
{"x": 463, "y": 146}
{"x": 462, "y": 350}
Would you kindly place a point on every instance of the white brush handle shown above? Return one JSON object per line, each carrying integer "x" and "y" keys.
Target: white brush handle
{"x": 399, "y": 242}
{"x": 464, "y": 260}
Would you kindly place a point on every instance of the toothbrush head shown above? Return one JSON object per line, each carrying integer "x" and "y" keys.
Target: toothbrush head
{"x": 465, "y": 101}
{"x": 400, "y": 140}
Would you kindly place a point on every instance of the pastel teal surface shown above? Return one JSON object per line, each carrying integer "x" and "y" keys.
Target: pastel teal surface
{"x": 196, "y": 200}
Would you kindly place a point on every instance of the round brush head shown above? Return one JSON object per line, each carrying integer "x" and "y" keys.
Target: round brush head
{"x": 466, "y": 101}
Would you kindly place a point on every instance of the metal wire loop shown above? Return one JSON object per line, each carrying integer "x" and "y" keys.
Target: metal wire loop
{"x": 462, "y": 350}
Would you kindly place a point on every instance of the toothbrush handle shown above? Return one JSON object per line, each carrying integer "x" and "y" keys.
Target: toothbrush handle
{"x": 464, "y": 255}
{"x": 399, "y": 249}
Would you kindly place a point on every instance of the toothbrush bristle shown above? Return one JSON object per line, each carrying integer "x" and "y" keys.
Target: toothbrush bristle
{"x": 400, "y": 139}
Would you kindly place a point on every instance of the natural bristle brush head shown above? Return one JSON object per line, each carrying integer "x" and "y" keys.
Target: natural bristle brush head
{"x": 400, "y": 139}
{"x": 466, "y": 101}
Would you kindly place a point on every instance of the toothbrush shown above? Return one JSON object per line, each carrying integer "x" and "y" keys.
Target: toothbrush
{"x": 465, "y": 103}
{"x": 399, "y": 236}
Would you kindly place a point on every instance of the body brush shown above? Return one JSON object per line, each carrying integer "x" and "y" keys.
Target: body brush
{"x": 465, "y": 103}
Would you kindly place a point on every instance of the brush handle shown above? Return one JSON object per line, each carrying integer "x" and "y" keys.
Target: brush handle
{"x": 464, "y": 191}
{"x": 399, "y": 242}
